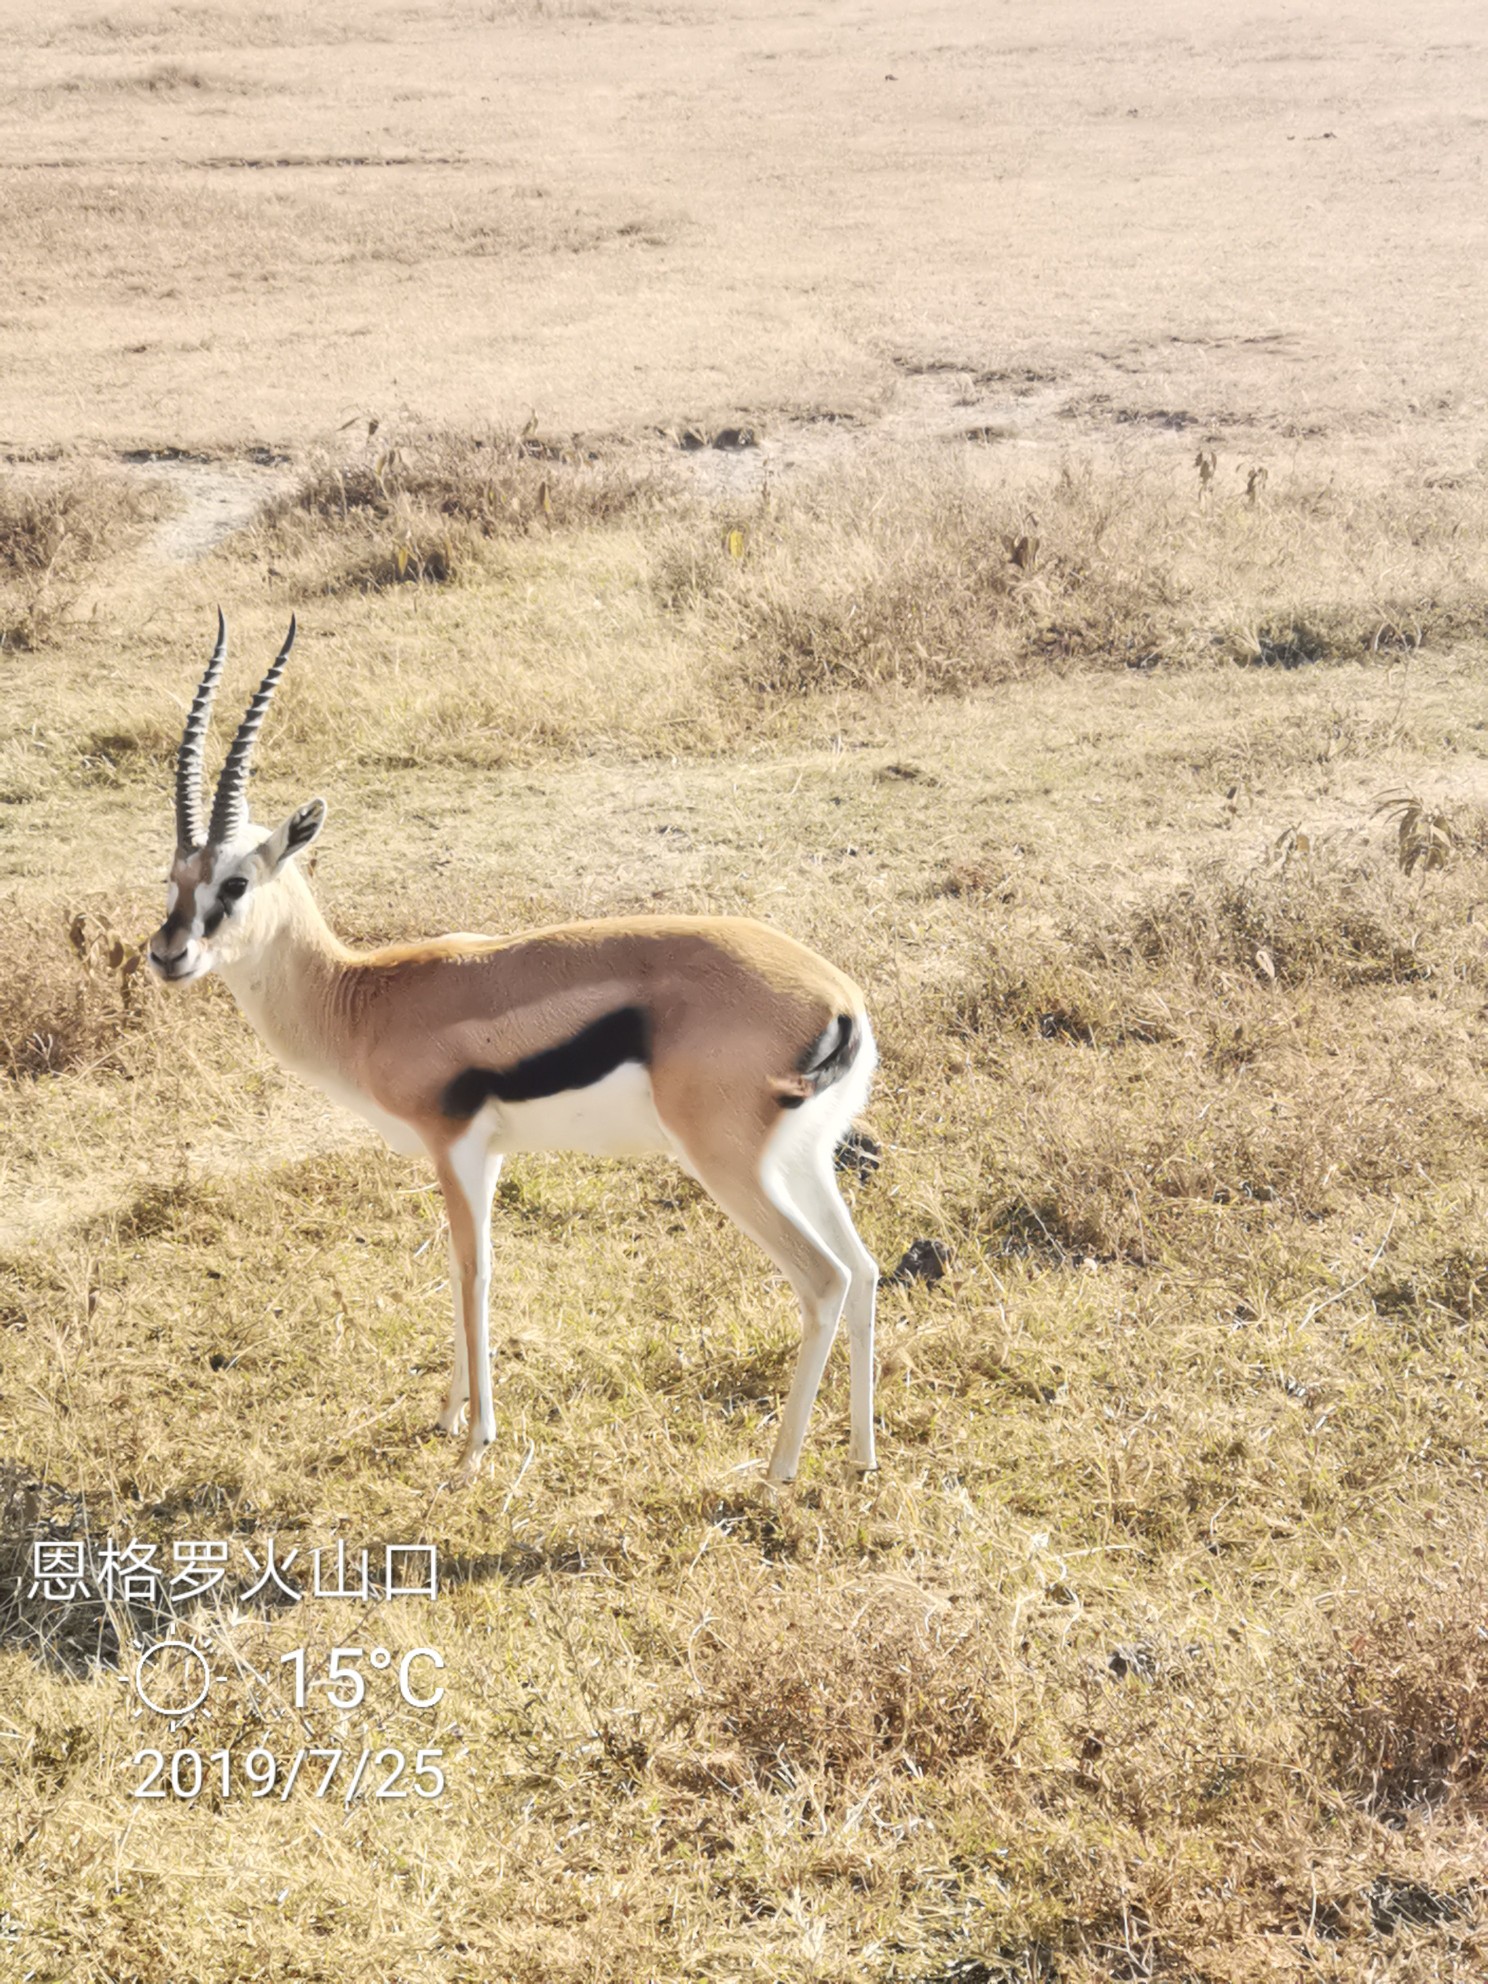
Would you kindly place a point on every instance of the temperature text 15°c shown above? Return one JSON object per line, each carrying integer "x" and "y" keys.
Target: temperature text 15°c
{"x": 344, "y": 1684}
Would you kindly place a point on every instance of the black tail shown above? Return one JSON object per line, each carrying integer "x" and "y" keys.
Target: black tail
{"x": 825, "y": 1061}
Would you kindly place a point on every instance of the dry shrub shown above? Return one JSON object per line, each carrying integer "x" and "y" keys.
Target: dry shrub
{"x": 419, "y": 510}
{"x": 1399, "y": 1701}
{"x": 1161, "y": 1733}
{"x": 1310, "y": 920}
{"x": 690, "y": 563}
{"x": 853, "y": 582}
{"x": 907, "y": 571}
{"x": 71, "y": 994}
{"x": 845, "y": 1682}
{"x": 53, "y": 529}
{"x": 1135, "y": 1162}
{"x": 1057, "y": 999}
{"x": 416, "y": 551}
{"x": 1285, "y": 644}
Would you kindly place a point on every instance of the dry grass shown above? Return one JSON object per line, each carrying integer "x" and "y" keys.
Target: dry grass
{"x": 849, "y": 1685}
{"x": 1401, "y": 1701}
{"x": 57, "y": 1012}
{"x": 1113, "y": 1670}
{"x": 904, "y": 574}
{"x": 55, "y": 529}
{"x": 419, "y": 510}
{"x": 1151, "y": 817}
{"x": 366, "y": 173}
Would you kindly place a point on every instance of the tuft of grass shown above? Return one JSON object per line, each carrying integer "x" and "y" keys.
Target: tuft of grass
{"x": 925, "y": 579}
{"x": 846, "y": 1683}
{"x": 1318, "y": 921}
{"x": 56, "y": 528}
{"x": 419, "y": 510}
{"x": 72, "y": 994}
{"x": 1399, "y": 1701}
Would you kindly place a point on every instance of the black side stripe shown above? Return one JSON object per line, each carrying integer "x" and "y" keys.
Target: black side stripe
{"x": 826, "y": 1060}
{"x": 593, "y": 1052}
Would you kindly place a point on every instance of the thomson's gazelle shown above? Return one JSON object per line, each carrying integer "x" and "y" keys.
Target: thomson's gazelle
{"x": 715, "y": 1039}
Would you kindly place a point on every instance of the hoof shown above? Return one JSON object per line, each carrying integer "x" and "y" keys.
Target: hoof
{"x": 451, "y": 1419}
{"x": 465, "y": 1474}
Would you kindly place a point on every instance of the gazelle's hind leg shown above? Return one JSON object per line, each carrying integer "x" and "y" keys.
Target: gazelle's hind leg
{"x": 770, "y": 1169}
{"x": 759, "y": 1205}
{"x": 821, "y": 1284}
{"x": 813, "y": 1187}
{"x": 800, "y": 1165}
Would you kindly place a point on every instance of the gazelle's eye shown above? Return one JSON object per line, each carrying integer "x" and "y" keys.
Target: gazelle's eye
{"x": 233, "y": 889}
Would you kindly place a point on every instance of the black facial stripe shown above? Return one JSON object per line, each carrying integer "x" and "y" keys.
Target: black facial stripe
{"x": 212, "y": 921}
{"x": 593, "y": 1052}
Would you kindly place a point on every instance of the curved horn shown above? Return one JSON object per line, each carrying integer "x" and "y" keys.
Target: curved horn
{"x": 230, "y": 807}
{"x": 189, "y": 757}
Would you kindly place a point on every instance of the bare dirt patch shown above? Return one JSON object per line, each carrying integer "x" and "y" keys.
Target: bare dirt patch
{"x": 759, "y": 213}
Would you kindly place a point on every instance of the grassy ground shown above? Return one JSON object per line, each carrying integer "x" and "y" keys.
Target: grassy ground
{"x": 1088, "y": 656}
{"x": 1157, "y": 1646}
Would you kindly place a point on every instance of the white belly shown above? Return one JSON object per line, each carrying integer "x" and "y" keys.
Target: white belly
{"x": 615, "y": 1117}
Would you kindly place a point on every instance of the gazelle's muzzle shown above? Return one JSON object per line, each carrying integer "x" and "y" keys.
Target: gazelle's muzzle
{"x": 175, "y": 955}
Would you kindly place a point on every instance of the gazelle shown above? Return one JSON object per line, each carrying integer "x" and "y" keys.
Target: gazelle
{"x": 715, "y": 1039}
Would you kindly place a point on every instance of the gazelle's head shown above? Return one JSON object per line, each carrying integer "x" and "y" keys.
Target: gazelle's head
{"x": 230, "y": 881}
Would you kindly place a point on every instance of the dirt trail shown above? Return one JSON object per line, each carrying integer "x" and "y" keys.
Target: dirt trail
{"x": 216, "y": 499}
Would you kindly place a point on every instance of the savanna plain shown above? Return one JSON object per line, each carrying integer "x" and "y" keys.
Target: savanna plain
{"x": 1000, "y": 493}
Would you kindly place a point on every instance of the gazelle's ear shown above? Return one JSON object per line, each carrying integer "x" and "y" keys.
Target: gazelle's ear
{"x": 294, "y": 836}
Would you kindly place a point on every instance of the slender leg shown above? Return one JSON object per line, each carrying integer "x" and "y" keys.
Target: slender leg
{"x": 814, "y": 1189}
{"x": 821, "y": 1309}
{"x": 468, "y": 1172}
{"x": 821, "y": 1282}
{"x": 459, "y": 1389}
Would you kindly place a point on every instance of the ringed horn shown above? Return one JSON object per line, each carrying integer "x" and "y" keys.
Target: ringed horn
{"x": 230, "y": 804}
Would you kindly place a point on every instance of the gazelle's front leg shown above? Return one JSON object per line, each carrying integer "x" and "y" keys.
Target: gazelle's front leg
{"x": 458, "y": 1395}
{"x": 468, "y": 1172}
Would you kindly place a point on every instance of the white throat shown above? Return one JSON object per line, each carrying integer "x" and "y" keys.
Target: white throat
{"x": 280, "y": 987}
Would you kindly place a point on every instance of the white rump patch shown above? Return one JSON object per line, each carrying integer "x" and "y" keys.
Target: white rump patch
{"x": 822, "y": 1121}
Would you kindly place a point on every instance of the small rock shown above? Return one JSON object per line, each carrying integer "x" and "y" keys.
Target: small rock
{"x": 1135, "y": 1659}
{"x": 1392, "y": 1903}
{"x": 924, "y": 1260}
{"x": 860, "y": 1153}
